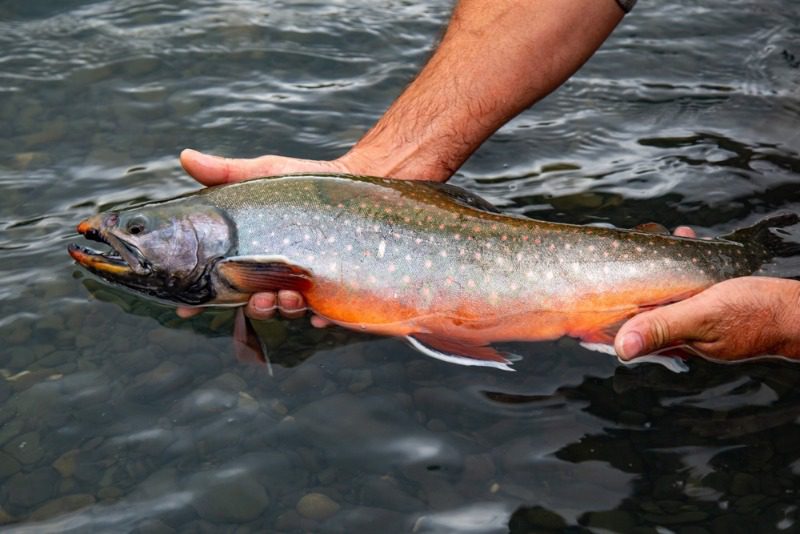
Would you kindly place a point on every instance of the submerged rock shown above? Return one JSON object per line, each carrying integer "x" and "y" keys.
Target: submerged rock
{"x": 317, "y": 506}
{"x": 234, "y": 499}
{"x": 25, "y": 448}
{"x": 30, "y": 489}
{"x": 65, "y": 464}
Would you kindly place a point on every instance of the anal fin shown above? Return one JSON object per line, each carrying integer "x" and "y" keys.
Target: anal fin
{"x": 460, "y": 352}
{"x": 672, "y": 362}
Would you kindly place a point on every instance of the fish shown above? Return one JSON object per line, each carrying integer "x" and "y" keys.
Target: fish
{"x": 428, "y": 262}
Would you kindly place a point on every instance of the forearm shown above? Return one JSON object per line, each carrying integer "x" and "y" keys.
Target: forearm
{"x": 495, "y": 59}
{"x": 788, "y": 321}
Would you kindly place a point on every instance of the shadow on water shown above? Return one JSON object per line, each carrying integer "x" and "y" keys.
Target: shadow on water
{"x": 288, "y": 343}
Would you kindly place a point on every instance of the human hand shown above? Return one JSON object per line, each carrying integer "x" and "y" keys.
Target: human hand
{"x": 212, "y": 170}
{"x": 733, "y": 320}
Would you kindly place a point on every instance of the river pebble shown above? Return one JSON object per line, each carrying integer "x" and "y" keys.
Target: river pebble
{"x": 30, "y": 489}
{"x": 66, "y": 463}
{"x": 25, "y": 448}
{"x": 235, "y": 499}
{"x": 317, "y": 506}
{"x": 8, "y": 465}
{"x": 165, "y": 378}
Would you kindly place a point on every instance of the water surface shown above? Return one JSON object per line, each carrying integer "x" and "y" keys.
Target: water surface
{"x": 117, "y": 416}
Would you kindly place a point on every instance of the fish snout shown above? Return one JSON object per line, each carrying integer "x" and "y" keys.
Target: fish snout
{"x": 92, "y": 228}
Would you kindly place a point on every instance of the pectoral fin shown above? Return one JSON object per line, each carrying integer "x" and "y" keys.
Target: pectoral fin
{"x": 460, "y": 352}
{"x": 254, "y": 274}
{"x": 246, "y": 344}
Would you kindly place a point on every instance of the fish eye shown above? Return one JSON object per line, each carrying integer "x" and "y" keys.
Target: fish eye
{"x": 135, "y": 226}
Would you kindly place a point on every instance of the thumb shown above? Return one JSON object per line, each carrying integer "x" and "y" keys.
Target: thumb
{"x": 659, "y": 328}
{"x": 214, "y": 170}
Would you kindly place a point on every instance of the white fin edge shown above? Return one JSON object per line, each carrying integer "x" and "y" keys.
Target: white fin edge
{"x": 458, "y": 360}
{"x": 676, "y": 365}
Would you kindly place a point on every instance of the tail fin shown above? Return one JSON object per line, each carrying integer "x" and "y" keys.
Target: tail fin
{"x": 771, "y": 234}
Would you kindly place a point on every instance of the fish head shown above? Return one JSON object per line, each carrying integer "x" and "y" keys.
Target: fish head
{"x": 162, "y": 250}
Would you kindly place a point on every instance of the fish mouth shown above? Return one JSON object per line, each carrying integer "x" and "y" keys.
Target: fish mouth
{"x": 121, "y": 259}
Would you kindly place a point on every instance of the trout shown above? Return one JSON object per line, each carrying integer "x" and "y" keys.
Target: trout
{"x": 428, "y": 262}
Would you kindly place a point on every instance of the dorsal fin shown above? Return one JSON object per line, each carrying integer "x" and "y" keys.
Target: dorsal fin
{"x": 652, "y": 228}
{"x": 462, "y": 196}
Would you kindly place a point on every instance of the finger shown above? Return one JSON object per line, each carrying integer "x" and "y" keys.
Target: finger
{"x": 261, "y": 306}
{"x": 319, "y": 322}
{"x": 650, "y": 331}
{"x": 214, "y": 170}
{"x": 684, "y": 231}
{"x": 291, "y": 304}
{"x": 186, "y": 313}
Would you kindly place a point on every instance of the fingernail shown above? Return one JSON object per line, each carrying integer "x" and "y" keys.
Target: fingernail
{"x": 263, "y": 304}
{"x": 290, "y": 302}
{"x": 632, "y": 345}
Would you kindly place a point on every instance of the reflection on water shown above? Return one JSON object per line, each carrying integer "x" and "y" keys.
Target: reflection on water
{"x": 118, "y": 416}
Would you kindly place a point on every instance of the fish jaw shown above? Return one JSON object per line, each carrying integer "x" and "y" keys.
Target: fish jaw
{"x": 120, "y": 261}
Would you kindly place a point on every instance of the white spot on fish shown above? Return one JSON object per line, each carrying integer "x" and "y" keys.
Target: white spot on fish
{"x": 381, "y": 248}
{"x": 285, "y": 240}
{"x": 331, "y": 239}
{"x": 428, "y": 264}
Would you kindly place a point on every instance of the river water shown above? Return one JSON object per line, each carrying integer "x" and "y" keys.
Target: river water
{"x": 117, "y": 416}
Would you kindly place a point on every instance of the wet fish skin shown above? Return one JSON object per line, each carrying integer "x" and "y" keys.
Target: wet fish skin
{"x": 434, "y": 262}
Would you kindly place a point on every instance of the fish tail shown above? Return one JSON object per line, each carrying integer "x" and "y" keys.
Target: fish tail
{"x": 771, "y": 234}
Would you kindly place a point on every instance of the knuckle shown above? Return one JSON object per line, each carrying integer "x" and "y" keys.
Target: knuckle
{"x": 659, "y": 331}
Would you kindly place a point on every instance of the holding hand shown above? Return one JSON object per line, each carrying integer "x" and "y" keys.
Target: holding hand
{"x": 733, "y": 320}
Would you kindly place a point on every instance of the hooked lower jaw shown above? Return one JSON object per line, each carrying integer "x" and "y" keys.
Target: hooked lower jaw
{"x": 99, "y": 262}
{"x": 119, "y": 260}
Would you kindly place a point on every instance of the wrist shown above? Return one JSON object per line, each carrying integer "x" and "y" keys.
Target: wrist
{"x": 395, "y": 159}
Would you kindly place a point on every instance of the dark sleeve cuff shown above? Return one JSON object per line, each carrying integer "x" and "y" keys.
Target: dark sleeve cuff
{"x": 626, "y": 5}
